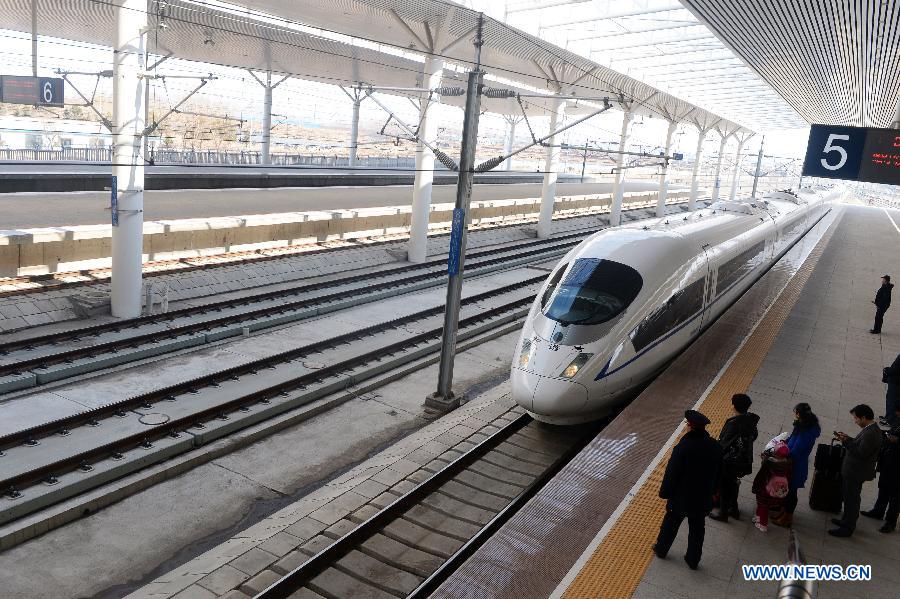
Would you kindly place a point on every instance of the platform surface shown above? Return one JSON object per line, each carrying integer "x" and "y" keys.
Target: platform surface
{"x": 801, "y": 334}
{"x": 50, "y": 209}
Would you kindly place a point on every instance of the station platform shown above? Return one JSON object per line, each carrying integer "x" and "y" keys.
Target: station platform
{"x": 75, "y": 176}
{"x": 800, "y": 334}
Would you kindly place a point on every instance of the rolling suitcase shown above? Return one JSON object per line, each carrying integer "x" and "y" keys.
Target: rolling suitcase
{"x": 825, "y": 491}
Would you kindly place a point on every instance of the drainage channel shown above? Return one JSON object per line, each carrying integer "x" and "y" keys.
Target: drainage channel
{"x": 407, "y": 541}
{"x": 40, "y": 361}
{"x": 50, "y": 462}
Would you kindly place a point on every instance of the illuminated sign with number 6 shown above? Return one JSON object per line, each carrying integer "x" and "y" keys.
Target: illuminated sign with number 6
{"x": 853, "y": 153}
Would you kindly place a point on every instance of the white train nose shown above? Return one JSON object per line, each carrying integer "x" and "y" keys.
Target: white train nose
{"x": 550, "y": 396}
{"x": 559, "y": 398}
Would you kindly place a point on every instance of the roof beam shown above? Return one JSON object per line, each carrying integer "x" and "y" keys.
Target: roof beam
{"x": 704, "y": 36}
{"x": 595, "y": 33}
{"x": 620, "y": 15}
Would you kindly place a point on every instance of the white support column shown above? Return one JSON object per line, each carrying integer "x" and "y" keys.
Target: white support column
{"x": 510, "y": 140}
{"x": 615, "y": 214}
{"x": 128, "y": 157}
{"x": 736, "y": 173}
{"x": 417, "y": 250}
{"x": 717, "y": 182}
{"x": 664, "y": 175}
{"x": 34, "y": 38}
{"x": 354, "y": 132}
{"x": 695, "y": 182}
{"x": 551, "y": 165}
{"x": 267, "y": 121}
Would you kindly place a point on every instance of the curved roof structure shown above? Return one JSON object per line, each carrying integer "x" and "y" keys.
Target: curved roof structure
{"x": 835, "y": 62}
{"x": 379, "y": 42}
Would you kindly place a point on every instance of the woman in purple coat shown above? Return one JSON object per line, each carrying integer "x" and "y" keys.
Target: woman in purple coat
{"x": 800, "y": 443}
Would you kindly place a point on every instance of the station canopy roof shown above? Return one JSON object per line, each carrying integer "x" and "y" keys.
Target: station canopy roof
{"x": 837, "y": 62}
{"x": 368, "y": 42}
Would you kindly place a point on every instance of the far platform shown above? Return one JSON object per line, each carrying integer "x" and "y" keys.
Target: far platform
{"x": 800, "y": 334}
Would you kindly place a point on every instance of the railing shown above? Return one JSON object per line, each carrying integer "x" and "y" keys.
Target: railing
{"x": 208, "y": 157}
{"x": 795, "y": 589}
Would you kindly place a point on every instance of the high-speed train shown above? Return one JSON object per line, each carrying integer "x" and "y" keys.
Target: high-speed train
{"x": 625, "y": 301}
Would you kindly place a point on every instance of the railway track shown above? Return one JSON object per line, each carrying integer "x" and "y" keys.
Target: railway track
{"x": 32, "y": 362}
{"x": 407, "y": 548}
{"x": 44, "y": 464}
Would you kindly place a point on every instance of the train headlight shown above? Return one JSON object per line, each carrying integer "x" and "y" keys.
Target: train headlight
{"x": 525, "y": 355}
{"x": 576, "y": 364}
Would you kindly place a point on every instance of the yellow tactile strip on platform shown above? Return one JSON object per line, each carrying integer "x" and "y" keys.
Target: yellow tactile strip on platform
{"x": 618, "y": 564}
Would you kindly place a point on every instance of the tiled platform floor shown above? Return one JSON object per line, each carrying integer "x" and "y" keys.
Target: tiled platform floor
{"x": 825, "y": 356}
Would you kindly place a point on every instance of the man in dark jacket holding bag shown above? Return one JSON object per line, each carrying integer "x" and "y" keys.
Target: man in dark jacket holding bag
{"x": 737, "y": 437}
{"x": 887, "y": 506}
{"x": 688, "y": 485}
{"x": 858, "y": 467}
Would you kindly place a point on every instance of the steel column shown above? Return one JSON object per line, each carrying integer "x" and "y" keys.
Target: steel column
{"x": 717, "y": 182}
{"x": 736, "y": 172}
{"x": 444, "y": 398}
{"x": 551, "y": 165}
{"x": 267, "y": 121}
{"x": 664, "y": 175}
{"x": 417, "y": 251}
{"x": 615, "y": 213}
{"x": 695, "y": 182}
{"x": 510, "y": 140}
{"x": 128, "y": 157}
{"x": 354, "y": 132}
{"x": 759, "y": 158}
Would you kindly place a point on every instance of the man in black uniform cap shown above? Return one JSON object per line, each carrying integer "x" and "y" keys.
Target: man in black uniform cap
{"x": 688, "y": 485}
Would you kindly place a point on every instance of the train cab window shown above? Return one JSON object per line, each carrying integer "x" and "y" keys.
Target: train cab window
{"x": 683, "y": 304}
{"x": 594, "y": 291}
{"x": 553, "y": 284}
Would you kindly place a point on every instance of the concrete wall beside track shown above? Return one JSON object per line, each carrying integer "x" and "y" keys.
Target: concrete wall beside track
{"x": 61, "y": 249}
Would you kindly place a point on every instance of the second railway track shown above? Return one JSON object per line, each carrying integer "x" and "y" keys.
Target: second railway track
{"x": 44, "y": 464}
{"x": 30, "y": 362}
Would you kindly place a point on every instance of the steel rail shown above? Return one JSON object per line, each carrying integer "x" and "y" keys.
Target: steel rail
{"x": 76, "y": 334}
{"x": 145, "y": 438}
{"x": 318, "y": 563}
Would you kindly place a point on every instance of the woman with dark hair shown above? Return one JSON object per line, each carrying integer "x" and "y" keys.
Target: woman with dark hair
{"x": 800, "y": 443}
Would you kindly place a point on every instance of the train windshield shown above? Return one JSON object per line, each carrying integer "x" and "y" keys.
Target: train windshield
{"x": 594, "y": 291}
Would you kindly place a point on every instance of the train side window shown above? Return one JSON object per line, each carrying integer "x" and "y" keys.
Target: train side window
{"x": 551, "y": 286}
{"x": 683, "y": 304}
{"x": 594, "y": 291}
{"x": 734, "y": 269}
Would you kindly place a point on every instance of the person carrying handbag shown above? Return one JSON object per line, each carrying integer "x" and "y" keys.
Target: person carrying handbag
{"x": 800, "y": 444}
{"x": 772, "y": 483}
{"x": 737, "y": 437}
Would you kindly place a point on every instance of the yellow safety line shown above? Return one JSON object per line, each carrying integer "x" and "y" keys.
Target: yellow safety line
{"x": 618, "y": 564}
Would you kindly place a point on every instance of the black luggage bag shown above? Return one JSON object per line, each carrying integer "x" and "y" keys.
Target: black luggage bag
{"x": 825, "y": 493}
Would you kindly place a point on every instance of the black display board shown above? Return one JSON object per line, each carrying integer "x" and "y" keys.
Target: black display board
{"x": 853, "y": 153}
{"x": 37, "y": 91}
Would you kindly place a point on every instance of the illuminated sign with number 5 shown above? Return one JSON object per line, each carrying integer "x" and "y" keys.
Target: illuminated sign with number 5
{"x": 834, "y": 148}
{"x": 853, "y": 153}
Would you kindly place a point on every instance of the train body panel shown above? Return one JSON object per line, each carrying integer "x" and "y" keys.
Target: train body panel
{"x": 623, "y": 303}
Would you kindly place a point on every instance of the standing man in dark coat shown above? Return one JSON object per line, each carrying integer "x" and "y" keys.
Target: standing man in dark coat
{"x": 688, "y": 485}
{"x": 882, "y": 303}
{"x": 737, "y": 437}
{"x": 858, "y": 467}
{"x": 892, "y": 378}
{"x": 888, "y": 481}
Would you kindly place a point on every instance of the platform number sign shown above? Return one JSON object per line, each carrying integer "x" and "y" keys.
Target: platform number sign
{"x": 37, "y": 91}
{"x": 853, "y": 153}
